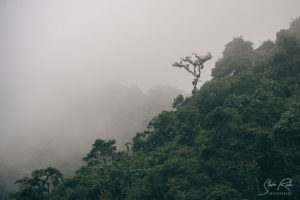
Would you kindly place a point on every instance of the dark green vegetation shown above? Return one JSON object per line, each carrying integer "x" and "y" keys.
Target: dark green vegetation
{"x": 39, "y": 185}
{"x": 223, "y": 142}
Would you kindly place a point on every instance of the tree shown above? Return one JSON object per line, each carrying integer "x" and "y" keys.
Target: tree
{"x": 178, "y": 101}
{"x": 102, "y": 152}
{"x": 193, "y": 66}
{"x": 237, "y": 56}
{"x": 39, "y": 185}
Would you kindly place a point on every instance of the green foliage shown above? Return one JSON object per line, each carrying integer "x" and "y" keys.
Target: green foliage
{"x": 178, "y": 101}
{"x": 237, "y": 56}
{"x": 39, "y": 185}
{"x": 102, "y": 152}
{"x": 241, "y": 128}
{"x": 295, "y": 27}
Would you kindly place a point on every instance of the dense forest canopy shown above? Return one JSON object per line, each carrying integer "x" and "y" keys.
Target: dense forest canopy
{"x": 238, "y": 130}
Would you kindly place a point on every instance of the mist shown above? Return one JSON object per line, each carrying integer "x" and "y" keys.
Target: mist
{"x": 74, "y": 71}
{"x": 60, "y": 131}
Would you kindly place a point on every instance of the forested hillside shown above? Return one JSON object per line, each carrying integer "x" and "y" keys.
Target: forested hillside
{"x": 238, "y": 130}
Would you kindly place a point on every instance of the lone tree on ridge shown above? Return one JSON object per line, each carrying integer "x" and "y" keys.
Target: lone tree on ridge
{"x": 193, "y": 66}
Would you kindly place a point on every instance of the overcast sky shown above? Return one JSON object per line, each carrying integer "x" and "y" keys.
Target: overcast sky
{"x": 63, "y": 45}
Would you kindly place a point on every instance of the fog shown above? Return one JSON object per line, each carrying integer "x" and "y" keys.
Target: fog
{"x": 59, "y": 131}
{"x": 73, "y": 71}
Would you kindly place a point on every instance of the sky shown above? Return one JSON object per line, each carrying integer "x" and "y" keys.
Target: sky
{"x": 63, "y": 45}
{"x": 55, "y": 50}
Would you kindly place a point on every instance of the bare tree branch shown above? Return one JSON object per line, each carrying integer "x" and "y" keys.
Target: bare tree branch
{"x": 196, "y": 65}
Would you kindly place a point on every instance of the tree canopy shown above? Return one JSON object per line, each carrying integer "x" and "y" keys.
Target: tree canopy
{"x": 38, "y": 185}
